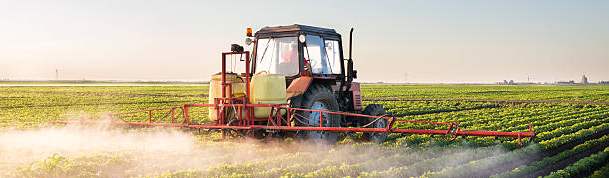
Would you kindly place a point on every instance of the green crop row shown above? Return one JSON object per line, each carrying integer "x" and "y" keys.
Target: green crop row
{"x": 402, "y": 108}
{"x": 484, "y": 164}
{"x": 581, "y": 134}
{"x": 546, "y": 129}
{"x": 522, "y": 153}
{"x": 601, "y": 173}
{"x": 534, "y": 166}
{"x": 559, "y": 128}
{"x": 519, "y": 92}
{"x": 383, "y": 163}
{"x": 551, "y": 121}
{"x": 583, "y": 165}
{"x": 435, "y": 163}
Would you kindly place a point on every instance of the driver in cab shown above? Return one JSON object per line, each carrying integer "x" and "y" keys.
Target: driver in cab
{"x": 288, "y": 65}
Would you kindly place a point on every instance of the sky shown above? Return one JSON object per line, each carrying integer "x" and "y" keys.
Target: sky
{"x": 394, "y": 41}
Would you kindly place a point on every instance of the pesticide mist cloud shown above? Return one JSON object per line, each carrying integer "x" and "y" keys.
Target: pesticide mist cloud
{"x": 119, "y": 152}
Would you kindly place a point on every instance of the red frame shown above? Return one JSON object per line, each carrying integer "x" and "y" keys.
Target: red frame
{"x": 276, "y": 121}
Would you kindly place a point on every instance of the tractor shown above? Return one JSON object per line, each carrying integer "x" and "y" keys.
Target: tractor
{"x": 317, "y": 77}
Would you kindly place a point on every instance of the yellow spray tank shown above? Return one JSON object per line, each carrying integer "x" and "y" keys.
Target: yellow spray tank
{"x": 267, "y": 89}
{"x": 215, "y": 89}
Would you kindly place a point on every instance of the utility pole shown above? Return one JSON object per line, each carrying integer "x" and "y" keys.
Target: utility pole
{"x": 56, "y": 74}
{"x": 405, "y": 77}
{"x": 4, "y": 77}
{"x": 529, "y": 79}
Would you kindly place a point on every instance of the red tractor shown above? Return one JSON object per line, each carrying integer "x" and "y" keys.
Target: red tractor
{"x": 318, "y": 77}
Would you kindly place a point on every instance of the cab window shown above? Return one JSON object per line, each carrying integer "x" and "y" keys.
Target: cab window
{"x": 333, "y": 55}
{"x": 323, "y": 56}
{"x": 277, "y": 56}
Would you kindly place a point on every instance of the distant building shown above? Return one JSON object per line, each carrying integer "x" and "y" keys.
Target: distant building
{"x": 570, "y": 82}
{"x": 603, "y": 82}
{"x": 505, "y": 82}
{"x": 584, "y": 80}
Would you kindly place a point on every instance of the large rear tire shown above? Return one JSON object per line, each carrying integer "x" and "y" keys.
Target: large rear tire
{"x": 319, "y": 97}
{"x": 375, "y": 110}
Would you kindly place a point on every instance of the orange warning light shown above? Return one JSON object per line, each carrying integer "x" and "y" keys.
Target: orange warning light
{"x": 249, "y": 32}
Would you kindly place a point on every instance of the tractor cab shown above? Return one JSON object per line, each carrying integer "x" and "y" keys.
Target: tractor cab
{"x": 306, "y": 56}
{"x": 298, "y": 50}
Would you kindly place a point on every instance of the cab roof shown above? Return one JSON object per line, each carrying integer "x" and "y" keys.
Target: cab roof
{"x": 293, "y": 30}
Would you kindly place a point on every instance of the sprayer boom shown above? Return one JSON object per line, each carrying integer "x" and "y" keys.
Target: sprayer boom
{"x": 246, "y": 127}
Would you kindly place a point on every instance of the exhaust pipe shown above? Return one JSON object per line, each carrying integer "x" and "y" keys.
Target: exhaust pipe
{"x": 350, "y": 73}
{"x": 350, "y": 42}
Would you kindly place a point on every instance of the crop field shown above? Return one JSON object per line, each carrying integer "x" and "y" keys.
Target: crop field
{"x": 571, "y": 123}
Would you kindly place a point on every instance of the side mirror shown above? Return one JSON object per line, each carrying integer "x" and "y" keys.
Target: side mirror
{"x": 248, "y": 41}
{"x": 354, "y": 73}
{"x": 236, "y": 48}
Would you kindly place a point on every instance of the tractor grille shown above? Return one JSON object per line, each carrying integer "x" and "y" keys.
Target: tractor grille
{"x": 357, "y": 101}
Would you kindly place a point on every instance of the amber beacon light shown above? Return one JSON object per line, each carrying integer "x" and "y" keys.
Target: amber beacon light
{"x": 249, "y": 32}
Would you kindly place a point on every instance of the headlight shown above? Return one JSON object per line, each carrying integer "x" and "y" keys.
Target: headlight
{"x": 302, "y": 38}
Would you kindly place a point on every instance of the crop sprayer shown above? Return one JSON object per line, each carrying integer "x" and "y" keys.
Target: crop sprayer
{"x": 296, "y": 83}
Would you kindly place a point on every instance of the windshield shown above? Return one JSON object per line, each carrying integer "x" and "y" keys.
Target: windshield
{"x": 324, "y": 56}
{"x": 277, "y": 55}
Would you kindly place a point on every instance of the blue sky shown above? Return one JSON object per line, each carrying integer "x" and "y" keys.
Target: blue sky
{"x": 394, "y": 41}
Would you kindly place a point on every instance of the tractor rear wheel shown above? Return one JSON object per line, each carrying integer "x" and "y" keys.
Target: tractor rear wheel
{"x": 375, "y": 110}
{"x": 318, "y": 97}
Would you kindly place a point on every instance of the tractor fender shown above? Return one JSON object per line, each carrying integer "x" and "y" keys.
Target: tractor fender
{"x": 298, "y": 86}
